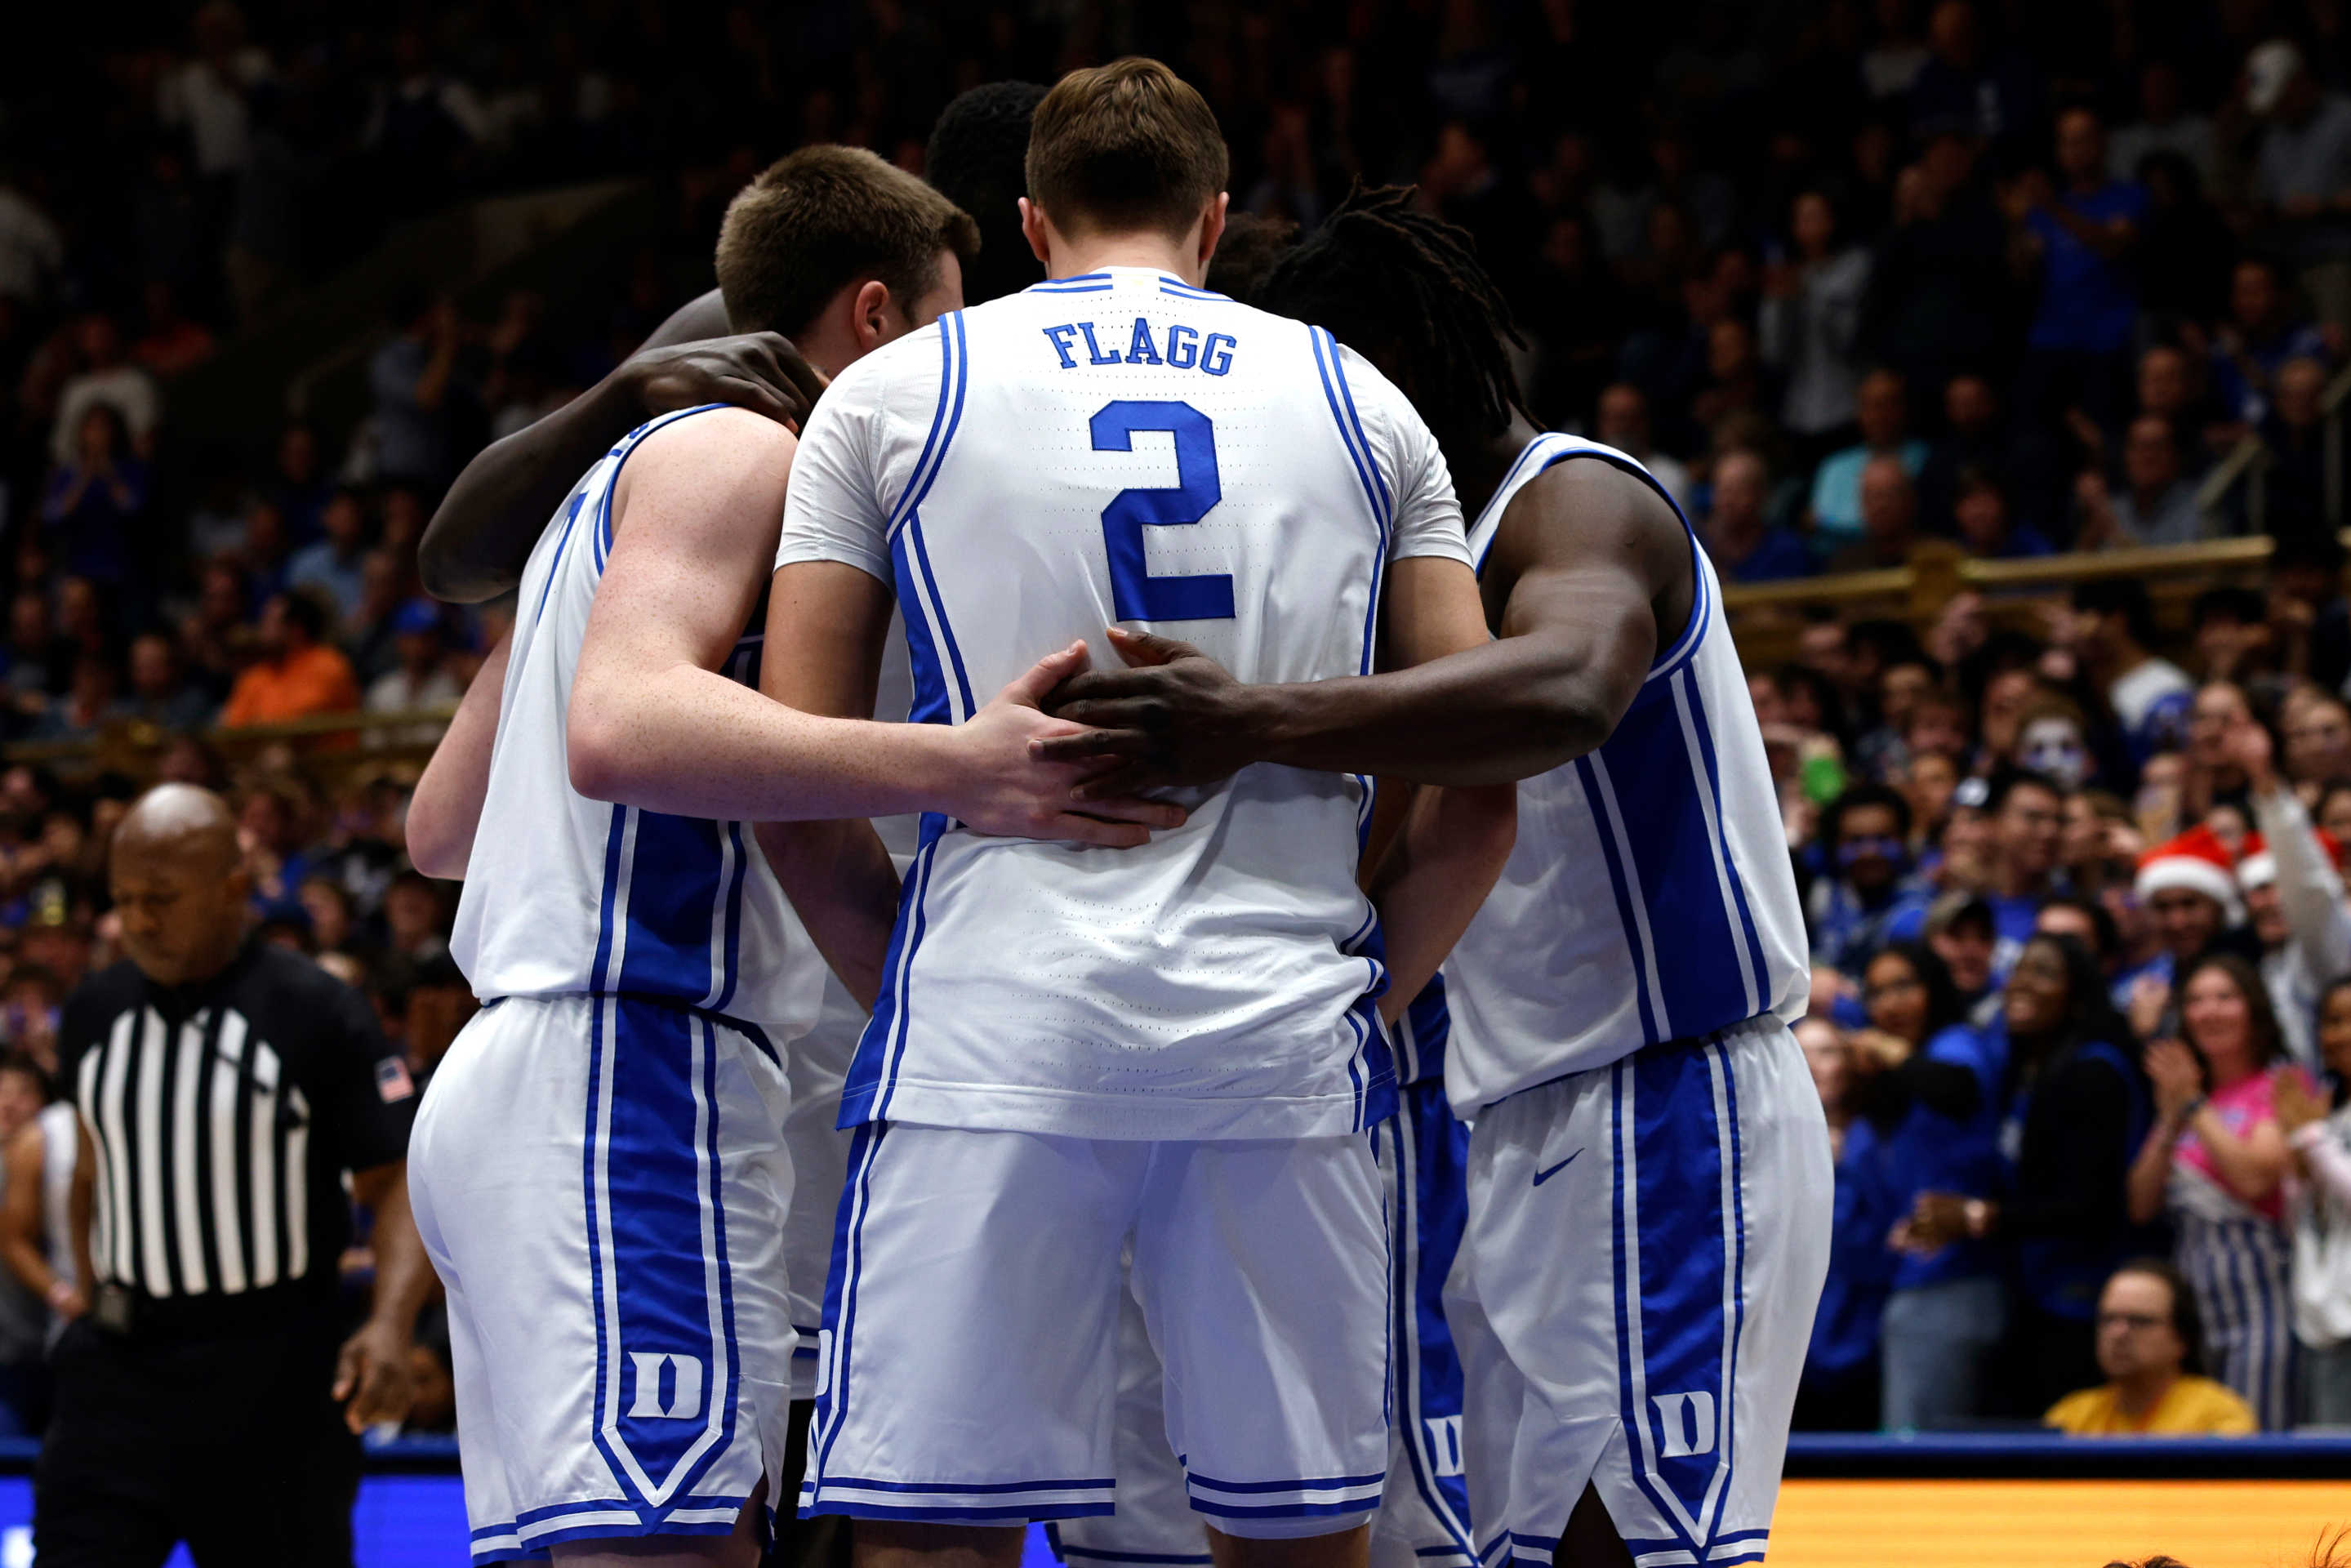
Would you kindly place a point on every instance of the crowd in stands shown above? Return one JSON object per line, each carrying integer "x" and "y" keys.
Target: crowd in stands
{"x": 2081, "y": 994}
{"x": 1849, "y": 277}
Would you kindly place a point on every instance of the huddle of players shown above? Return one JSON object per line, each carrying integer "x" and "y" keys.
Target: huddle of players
{"x": 1124, "y": 1095}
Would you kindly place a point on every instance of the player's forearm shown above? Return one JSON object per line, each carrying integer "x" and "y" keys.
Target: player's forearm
{"x": 1491, "y": 715}
{"x": 844, "y": 885}
{"x": 1454, "y": 846}
{"x": 481, "y": 535}
{"x": 752, "y": 759}
{"x": 446, "y": 807}
{"x": 403, "y": 1275}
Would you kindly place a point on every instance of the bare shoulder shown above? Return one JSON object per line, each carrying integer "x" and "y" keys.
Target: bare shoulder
{"x": 720, "y": 453}
{"x": 1585, "y": 511}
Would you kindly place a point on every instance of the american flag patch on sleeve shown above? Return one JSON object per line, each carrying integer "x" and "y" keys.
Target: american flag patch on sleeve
{"x": 392, "y": 1080}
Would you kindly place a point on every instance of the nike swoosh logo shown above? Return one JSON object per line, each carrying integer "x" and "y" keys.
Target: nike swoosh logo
{"x": 1544, "y": 1176}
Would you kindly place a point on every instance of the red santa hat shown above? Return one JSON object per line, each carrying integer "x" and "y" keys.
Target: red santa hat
{"x": 2259, "y": 866}
{"x": 2197, "y": 861}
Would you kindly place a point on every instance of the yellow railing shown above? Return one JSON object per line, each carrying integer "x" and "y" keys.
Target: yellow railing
{"x": 1766, "y": 617}
{"x": 328, "y": 749}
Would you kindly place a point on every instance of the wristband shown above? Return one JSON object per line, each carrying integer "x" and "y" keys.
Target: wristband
{"x": 2187, "y": 1111}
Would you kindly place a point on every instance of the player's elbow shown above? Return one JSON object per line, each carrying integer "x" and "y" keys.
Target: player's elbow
{"x": 1562, "y": 724}
{"x": 596, "y": 752}
{"x": 446, "y": 575}
{"x": 435, "y": 846}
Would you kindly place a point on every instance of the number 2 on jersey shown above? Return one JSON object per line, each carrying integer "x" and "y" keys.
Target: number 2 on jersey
{"x": 1136, "y": 594}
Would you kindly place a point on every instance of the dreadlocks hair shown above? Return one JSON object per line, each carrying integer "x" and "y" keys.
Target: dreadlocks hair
{"x": 1404, "y": 288}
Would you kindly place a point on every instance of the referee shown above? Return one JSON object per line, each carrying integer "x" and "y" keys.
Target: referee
{"x": 225, "y": 1087}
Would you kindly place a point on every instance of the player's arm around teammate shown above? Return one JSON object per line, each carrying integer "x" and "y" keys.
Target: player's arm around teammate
{"x": 482, "y": 533}
{"x": 1587, "y": 563}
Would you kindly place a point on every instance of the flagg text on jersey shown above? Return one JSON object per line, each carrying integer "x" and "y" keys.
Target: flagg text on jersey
{"x": 1177, "y": 346}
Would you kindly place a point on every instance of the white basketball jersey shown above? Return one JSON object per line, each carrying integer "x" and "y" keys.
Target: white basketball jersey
{"x": 1649, "y": 896}
{"x": 1123, "y": 448}
{"x": 566, "y": 895}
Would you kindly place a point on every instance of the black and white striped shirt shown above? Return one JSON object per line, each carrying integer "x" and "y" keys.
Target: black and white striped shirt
{"x": 223, "y": 1115}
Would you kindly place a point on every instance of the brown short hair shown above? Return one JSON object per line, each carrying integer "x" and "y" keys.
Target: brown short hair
{"x": 1128, "y": 145}
{"x": 824, "y": 217}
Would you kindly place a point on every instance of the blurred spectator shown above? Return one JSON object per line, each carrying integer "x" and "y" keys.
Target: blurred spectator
{"x": 2214, "y": 1164}
{"x": 2303, "y": 173}
{"x": 207, "y": 96}
{"x": 2115, "y": 631}
{"x": 2078, "y": 240}
{"x": 2294, "y": 430}
{"x": 2150, "y": 1352}
{"x": 1742, "y": 541}
{"x": 1984, "y": 524}
{"x": 298, "y": 675}
{"x": 1964, "y": 89}
{"x": 1972, "y": 437}
{"x": 1839, "y": 1392}
{"x": 105, "y": 377}
{"x": 24, "y": 1313}
{"x": 88, "y": 707}
{"x": 171, "y": 342}
{"x": 2075, "y": 1097}
{"x": 2258, "y": 337}
{"x": 332, "y": 566}
{"x": 161, "y": 693}
{"x": 2293, "y": 894}
{"x": 2165, "y": 124}
{"x": 411, "y": 378}
{"x": 32, "y": 247}
{"x": 1836, "y": 500}
{"x": 1623, "y": 423}
{"x": 1935, "y": 1122}
{"x": 2319, "y": 1189}
{"x": 2156, "y": 505}
{"x": 95, "y": 504}
{"x": 1811, "y": 324}
{"x": 423, "y": 680}
{"x": 1889, "y": 518}
{"x": 1864, "y": 836}
{"x": 295, "y": 486}
{"x": 2186, "y": 247}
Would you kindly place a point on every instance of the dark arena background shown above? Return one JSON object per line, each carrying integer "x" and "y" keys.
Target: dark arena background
{"x": 1999, "y": 352}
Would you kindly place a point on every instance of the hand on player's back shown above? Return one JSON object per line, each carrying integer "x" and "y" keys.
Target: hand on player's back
{"x": 1016, "y": 790}
{"x": 1174, "y": 715}
{"x": 761, "y": 372}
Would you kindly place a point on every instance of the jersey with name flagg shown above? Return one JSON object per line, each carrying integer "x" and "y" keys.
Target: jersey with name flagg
{"x": 1649, "y": 895}
{"x": 1123, "y": 448}
{"x": 565, "y": 895}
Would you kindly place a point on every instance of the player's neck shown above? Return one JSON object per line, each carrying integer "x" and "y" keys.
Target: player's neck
{"x": 2136, "y": 1397}
{"x": 1093, "y": 251}
{"x": 1478, "y": 468}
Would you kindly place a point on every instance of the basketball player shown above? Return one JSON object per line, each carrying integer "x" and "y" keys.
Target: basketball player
{"x": 1619, "y": 1007}
{"x": 1175, "y": 1044}
{"x": 597, "y": 1167}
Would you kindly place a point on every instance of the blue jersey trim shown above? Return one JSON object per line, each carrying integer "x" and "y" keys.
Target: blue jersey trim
{"x": 1603, "y": 824}
{"x": 1766, "y": 983}
{"x": 917, "y": 482}
{"x": 570, "y": 516}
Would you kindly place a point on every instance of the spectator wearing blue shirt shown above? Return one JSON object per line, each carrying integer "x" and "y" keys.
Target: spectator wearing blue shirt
{"x": 2076, "y": 1108}
{"x": 333, "y": 565}
{"x": 1947, "y": 1311}
{"x": 2256, "y": 341}
{"x": 1985, "y": 526}
{"x": 1866, "y": 842}
{"x": 1741, "y": 539}
{"x": 1839, "y": 1392}
{"x": 96, "y": 505}
{"x": 1881, "y": 409}
{"x": 2078, "y": 240}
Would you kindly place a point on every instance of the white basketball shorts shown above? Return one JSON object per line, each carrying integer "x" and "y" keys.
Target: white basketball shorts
{"x": 1423, "y": 1513}
{"x": 970, "y": 1346}
{"x": 819, "y": 1062}
{"x": 603, "y": 1186}
{"x": 1646, "y": 1246}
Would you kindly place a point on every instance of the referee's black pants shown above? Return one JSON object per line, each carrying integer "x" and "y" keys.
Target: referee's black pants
{"x": 228, "y": 1442}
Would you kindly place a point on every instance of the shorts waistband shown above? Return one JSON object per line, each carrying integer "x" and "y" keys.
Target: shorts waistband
{"x": 742, "y": 1026}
